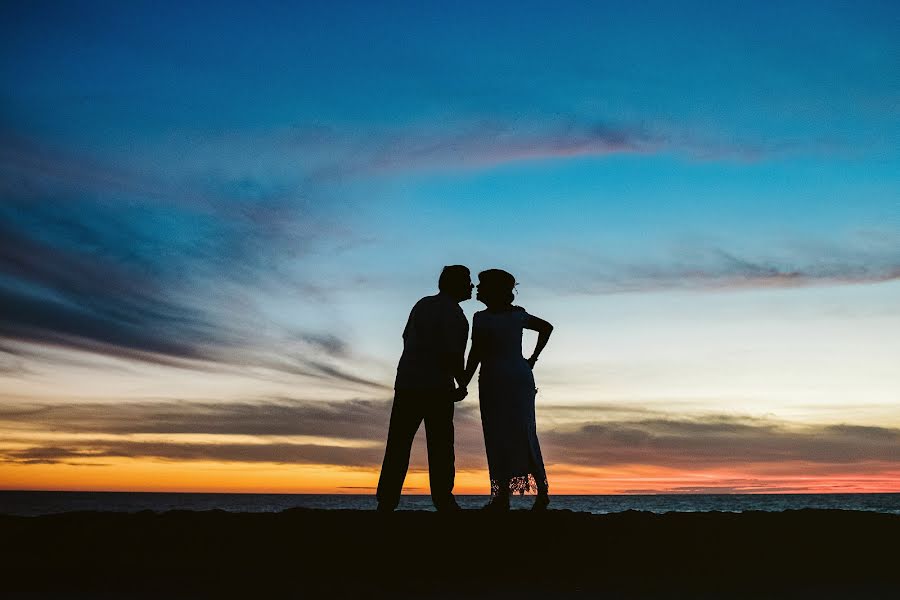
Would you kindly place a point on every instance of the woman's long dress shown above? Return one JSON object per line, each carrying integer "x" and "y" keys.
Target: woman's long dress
{"x": 506, "y": 397}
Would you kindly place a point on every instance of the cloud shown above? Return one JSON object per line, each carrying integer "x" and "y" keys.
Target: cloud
{"x": 350, "y": 420}
{"x": 715, "y": 441}
{"x": 10, "y": 364}
{"x": 356, "y": 420}
{"x": 327, "y": 343}
{"x": 864, "y": 260}
{"x": 301, "y": 360}
{"x": 358, "y": 426}
{"x": 168, "y": 270}
{"x": 765, "y": 447}
{"x": 71, "y": 299}
{"x": 486, "y": 143}
{"x": 313, "y": 157}
{"x": 281, "y": 453}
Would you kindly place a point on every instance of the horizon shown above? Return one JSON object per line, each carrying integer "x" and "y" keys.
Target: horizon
{"x": 425, "y": 494}
{"x": 213, "y": 226}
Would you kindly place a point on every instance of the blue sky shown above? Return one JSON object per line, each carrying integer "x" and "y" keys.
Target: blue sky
{"x": 241, "y": 204}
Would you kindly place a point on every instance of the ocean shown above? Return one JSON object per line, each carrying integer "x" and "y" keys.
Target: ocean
{"x": 29, "y": 503}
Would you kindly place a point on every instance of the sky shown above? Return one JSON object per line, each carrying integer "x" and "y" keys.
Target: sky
{"x": 214, "y": 222}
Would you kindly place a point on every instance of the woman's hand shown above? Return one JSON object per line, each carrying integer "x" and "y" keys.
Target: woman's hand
{"x": 544, "y": 330}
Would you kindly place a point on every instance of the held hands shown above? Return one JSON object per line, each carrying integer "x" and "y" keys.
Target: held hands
{"x": 459, "y": 393}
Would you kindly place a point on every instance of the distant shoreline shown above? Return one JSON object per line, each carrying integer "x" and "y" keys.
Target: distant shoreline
{"x": 425, "y": 494}
{"x": 353, "y": 553}
{"x": 31, "y": 503}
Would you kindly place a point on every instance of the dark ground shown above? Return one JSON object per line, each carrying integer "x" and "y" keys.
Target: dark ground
{"x": 559, "y": 554}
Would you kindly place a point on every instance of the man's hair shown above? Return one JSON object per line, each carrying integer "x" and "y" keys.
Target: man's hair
{"x": 453, "y": 276}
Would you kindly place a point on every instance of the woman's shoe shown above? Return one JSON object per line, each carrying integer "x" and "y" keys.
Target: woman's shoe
{"x": 541, "y": 502}
{"x": 497, "y": 504}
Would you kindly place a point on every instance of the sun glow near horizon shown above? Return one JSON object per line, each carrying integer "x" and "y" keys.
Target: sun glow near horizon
{"x": 272, "y": 478}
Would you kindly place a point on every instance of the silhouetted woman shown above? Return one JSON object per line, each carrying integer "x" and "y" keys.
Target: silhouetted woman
{"x": 506, "y": 390}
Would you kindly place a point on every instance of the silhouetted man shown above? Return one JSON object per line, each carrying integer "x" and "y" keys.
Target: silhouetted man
{"x": 434, "y": 346}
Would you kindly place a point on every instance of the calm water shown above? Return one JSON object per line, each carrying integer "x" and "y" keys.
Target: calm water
{"x": 39, "y": 503}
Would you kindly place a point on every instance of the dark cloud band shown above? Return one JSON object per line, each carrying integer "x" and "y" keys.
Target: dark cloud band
{"x": 705, "y": 442}
{"x": 719, "y": 441}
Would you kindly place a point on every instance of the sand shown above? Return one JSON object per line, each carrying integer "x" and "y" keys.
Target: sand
{"x": 304, "y": 553}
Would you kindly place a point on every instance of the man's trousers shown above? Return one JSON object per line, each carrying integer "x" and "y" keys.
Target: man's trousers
{"x": 410, "y": 408}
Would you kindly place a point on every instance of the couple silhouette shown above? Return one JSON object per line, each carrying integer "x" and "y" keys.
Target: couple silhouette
{"x": 433, "y": 374}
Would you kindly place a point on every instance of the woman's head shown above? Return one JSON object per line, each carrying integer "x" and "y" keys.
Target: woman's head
{"x": 495, "y": 288}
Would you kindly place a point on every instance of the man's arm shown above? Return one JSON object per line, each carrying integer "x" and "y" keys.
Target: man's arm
{"x": 459, "y": 369}
{"x": 456, "y": 335}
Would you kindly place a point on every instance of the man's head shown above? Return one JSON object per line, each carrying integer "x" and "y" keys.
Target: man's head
{"x": 456, "y": 282}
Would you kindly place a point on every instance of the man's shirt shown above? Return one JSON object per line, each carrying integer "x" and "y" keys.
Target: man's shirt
{"x": 436, "y": 330}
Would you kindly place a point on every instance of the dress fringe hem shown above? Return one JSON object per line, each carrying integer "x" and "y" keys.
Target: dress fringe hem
{"x": 522, "y": 484}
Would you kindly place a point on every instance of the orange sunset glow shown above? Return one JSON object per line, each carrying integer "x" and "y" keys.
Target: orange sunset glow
{"x": 202, "y": 476}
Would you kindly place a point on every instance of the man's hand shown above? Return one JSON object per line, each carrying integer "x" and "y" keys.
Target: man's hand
{"x": 459, "y": 393}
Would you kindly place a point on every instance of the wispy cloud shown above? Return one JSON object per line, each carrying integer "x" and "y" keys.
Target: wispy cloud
{"x": 351, "y": 419}
{"x": 282, "y": 453}
{"x": 309, "y": 157}
{"x": 332, "y": 153}
{"x": 108, "y": 260}
{"x": 73, "y": 298}
{"x": 489, "y": 143}
{"x": 863, "y": 260}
